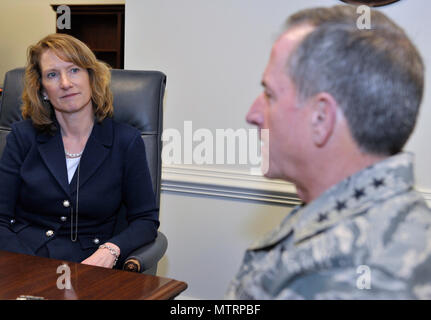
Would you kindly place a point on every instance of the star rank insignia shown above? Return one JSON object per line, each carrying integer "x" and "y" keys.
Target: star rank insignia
{"x": 378, "y": 182}
{"x": 359, "y": 193}
{"x": 340, "y": 205}
{"x": 322, "y": 217}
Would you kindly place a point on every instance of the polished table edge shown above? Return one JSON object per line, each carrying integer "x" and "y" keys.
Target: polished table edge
{"x": 168, "y": 288}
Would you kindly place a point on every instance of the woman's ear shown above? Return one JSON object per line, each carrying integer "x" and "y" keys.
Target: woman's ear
{"x": 323, "y": 118}
{"x": 44, "y": 95}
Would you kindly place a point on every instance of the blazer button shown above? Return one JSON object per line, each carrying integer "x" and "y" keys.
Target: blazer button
{"x": 96, "y": 241}
{"x": 66, "y": 203}
{"x": 63, "y": 218}
{"x": 49, "y": 233}
{"x": 12, "y": 221}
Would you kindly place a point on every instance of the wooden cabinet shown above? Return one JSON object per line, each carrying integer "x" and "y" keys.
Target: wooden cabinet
{"x": 101, "y": 27}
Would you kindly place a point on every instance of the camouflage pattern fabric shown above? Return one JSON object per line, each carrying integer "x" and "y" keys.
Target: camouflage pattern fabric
{"x": 368, "y": 237}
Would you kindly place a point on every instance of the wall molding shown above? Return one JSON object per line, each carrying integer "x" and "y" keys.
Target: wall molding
{"x": 426, "y": 193}
{"x": 234, "y": 184}
{"x": 224, "y": 183}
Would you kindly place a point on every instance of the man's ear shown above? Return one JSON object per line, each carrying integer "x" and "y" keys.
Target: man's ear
{"x": 323, "y": 118}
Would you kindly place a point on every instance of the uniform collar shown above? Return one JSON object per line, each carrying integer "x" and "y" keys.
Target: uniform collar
{"x": 352, "y": 196}
{"x": 356, "y": 194}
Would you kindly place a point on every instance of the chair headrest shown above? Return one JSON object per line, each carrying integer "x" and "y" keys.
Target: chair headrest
{"x": 136, "y": 93}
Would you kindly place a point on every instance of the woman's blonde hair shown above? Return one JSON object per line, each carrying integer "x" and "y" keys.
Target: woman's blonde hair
{"x": 72, "y": 50}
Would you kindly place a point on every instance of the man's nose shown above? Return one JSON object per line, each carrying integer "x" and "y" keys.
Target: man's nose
{"x": 255, "y": 114}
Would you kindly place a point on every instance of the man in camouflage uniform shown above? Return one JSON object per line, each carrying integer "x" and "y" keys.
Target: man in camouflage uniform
{"x": 340, "y": 104}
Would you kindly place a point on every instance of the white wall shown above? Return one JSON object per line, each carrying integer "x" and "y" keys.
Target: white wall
{"x": 207, "y": 237}
{"x": 214, "y": 53}
{"x": 414, "y": 17}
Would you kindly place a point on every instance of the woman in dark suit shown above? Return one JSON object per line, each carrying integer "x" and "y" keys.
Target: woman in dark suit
{"x": 68, "y": 167}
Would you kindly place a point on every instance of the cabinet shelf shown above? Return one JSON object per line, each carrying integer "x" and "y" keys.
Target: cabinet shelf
{"x": 104, "y": 50}
{"x": 101, "y": 27}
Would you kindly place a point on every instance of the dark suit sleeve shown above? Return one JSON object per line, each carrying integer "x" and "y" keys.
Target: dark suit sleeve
{"x": 138, "y": 197}
{"x": 10, "y": 182}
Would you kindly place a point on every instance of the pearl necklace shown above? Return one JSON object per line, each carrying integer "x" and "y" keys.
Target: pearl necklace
{"x": 73, "y": 155}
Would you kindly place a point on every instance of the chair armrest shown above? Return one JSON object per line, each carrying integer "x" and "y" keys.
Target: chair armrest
{"x": 147, "y": 256}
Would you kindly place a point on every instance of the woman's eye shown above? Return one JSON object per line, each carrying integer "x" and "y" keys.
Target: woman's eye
{"x": 74, "y": 70}
{"x": 51, "y": 75}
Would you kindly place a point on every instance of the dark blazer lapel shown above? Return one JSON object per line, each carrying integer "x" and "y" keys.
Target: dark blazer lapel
{"x": 95, "y": 152}
{"x": 52, "y": 152}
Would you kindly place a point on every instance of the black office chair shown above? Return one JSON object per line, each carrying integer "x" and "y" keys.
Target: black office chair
{"x": 138, "y": 101}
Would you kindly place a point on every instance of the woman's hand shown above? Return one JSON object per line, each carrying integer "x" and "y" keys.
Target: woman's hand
{"x": 103, "y": 257}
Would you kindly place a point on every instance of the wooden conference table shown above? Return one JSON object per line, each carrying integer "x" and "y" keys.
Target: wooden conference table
{"x": 27, "y": 275}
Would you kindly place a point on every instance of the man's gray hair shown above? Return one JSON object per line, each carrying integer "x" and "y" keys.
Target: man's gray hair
{"x": 376, "y": 75}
